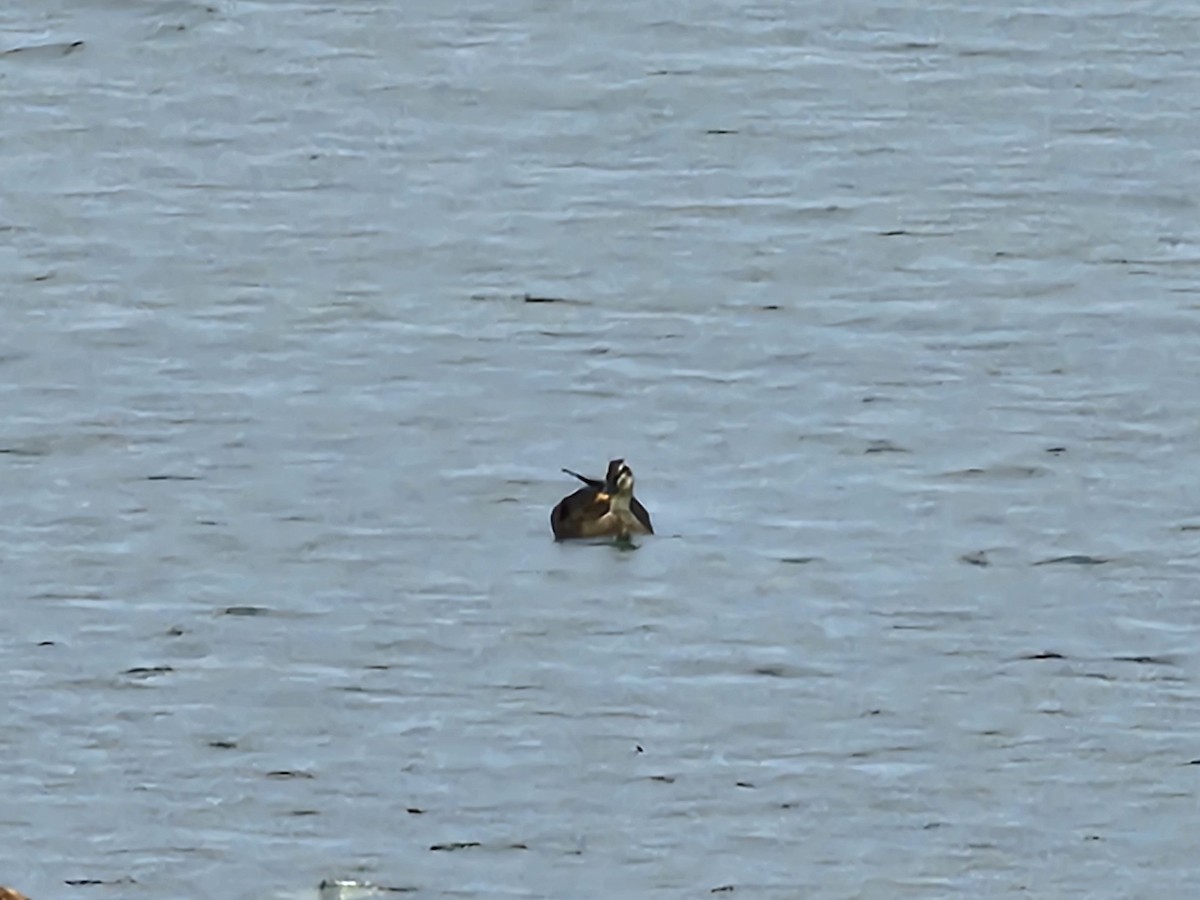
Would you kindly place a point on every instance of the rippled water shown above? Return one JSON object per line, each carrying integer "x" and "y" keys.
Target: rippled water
{"x": 892, "y": 308}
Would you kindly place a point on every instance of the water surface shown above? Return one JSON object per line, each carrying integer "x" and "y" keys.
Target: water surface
{"x": 891, "y": 307}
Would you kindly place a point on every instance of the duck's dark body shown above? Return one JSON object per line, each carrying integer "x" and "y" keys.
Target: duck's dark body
{"x": 602, "y": 508}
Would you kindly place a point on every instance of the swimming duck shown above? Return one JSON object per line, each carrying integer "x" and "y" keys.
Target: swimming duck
{"x": 601, "y": 508}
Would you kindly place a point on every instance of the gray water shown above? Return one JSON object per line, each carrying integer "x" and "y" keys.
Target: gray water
{"x": 893, "y": 309}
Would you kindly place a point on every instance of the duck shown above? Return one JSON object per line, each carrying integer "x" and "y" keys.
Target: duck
{"x": 601, "y": 508}
{"x": 7, "y": 893}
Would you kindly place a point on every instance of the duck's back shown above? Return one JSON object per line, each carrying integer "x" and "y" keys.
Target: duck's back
{"x": 575, "y": 512}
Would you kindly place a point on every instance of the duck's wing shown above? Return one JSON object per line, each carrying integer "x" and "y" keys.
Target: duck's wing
{"x": 570, "y": 518}
{"x": 639, "y": 513}
{"x": 593, "y": 483}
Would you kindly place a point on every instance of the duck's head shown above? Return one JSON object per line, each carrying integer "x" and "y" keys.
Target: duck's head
{"x": 619, "y": 479}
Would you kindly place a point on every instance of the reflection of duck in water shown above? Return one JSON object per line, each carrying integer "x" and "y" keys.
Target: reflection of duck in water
{"x": 601, "y": 509}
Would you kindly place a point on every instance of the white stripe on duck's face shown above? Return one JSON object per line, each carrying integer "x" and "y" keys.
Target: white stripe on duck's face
{"x": 619, "y": 478}
{"x": 625, "y": 480}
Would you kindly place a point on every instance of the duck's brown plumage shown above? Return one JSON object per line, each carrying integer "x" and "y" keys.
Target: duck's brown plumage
{"x": 601, "y": 508}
